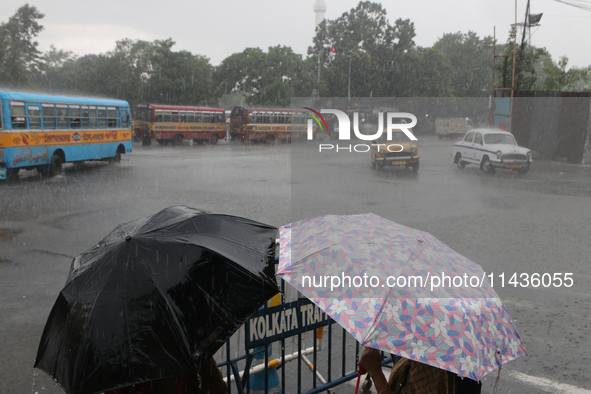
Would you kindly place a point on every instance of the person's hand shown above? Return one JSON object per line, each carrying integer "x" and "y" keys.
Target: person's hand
{"x": 371, "y": 360}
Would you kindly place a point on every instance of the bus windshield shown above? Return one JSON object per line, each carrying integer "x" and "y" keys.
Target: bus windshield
{"x": 144, "y": 114}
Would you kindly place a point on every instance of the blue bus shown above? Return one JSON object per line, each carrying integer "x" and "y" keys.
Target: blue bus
{"x": 40, "y": 131}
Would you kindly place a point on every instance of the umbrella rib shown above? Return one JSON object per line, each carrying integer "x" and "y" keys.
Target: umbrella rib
{"x": 171, "y": 311}
{"x": 87, "y": 332}
{"x": 373, "y": 324}
{"x": 224, "y": 238}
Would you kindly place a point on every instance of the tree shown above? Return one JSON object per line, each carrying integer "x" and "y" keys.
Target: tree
{"x": 557, "y": 78}
{"x": 526, "y": 72}
{"x": 19, "y": 56}
{"x": 50, "y": 75}
{"x": 136, "y": 71}
{"x": 271, "y": 78}
{"x": 470, "y": 63}
{"x": 372, "y": 55}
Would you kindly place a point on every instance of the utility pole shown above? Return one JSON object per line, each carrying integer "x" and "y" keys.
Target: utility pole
{"x": 349, "y": 93}
{"x": 504, "y": 88}
{"x": 525, "y": 24}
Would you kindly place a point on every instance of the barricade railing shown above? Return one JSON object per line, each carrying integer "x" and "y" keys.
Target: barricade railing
{"x": 291, "y": 371}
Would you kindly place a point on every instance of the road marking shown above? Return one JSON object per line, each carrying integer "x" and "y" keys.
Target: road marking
{"x": 547, "y": 385}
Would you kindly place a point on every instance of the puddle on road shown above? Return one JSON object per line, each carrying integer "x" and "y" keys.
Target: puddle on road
{"x": 7, "y": 262}
{"x": 6, "y": 233}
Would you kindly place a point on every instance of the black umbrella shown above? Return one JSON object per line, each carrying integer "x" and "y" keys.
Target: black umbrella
{"x": 156, "y": 298}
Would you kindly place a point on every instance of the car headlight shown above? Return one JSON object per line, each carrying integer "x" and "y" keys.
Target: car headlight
{"x": 529, "y": 153}
{"x": 413, "y": 149}
{"x": 499, "y": 153}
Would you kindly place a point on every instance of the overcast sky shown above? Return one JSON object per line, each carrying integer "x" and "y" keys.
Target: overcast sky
{"x": 219, "y": 28}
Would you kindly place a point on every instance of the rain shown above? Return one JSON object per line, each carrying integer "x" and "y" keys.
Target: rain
{"x": 223, "y": 127}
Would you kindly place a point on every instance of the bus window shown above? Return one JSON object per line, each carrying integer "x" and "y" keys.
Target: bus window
{"x": 102, "y": 117}
{"x": 287, "y": 118}
{"x": 190, "y": 117}
{"x": 75, "y": 116}
{"x": 206, "y": 117}
{"x": 221, "y": 118}
{"x": 92, "y": 117}
{"x": 166, "y": 116}
{"x": 84, "y": 123}
{"x": 112, "y": 117}
{"x": 124, "y": 118}
{"x": 18, "y": 116}
{"x": 198, "y": 117}
{"x": 34, "y": 116}
{"x": 183, "y": 116}
{"x": 175, "y": 116}
{"x": 251, "y": 117}
{"x": 159, "y": 118}
{"x": 48, "y": 116}
{"x": 63, "y": 121}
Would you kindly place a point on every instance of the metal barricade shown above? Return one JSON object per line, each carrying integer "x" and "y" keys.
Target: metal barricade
{"x": 293, "y": 320}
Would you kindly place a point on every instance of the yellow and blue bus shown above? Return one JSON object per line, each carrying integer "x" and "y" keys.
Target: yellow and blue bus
{"x": 39, "y": 131}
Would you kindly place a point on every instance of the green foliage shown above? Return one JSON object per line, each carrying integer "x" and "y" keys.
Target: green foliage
{"x": 526, "y": 73}
{"x": 19, "y": 56}
{"x": 374, "y": 58}
{"x": 137, "y": 71}
{"x": 372, "y": 54}
{"x": 270, "y": 78}
{"x": 469, "y": 61}
{"x": 558, "y": 78}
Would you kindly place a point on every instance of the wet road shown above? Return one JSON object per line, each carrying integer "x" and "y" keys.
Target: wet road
{"x": 537, "y": 223}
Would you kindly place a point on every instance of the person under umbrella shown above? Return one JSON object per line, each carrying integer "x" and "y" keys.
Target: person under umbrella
{"x": 156, "y": 299}
{"x": 371, "y": 276}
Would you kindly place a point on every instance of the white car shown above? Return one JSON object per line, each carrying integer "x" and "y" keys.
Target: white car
{"x": 491, "y": 148}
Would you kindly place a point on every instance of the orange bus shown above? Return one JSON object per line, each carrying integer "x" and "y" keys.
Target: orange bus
{"x": 268, "y": 124}
{"x": 173, "y": 124}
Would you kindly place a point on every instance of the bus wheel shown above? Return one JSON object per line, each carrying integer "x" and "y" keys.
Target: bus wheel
{"x": 55, "y": 166}
{"x": 214, "y": 139}
{"x": 269, "y": 138}
{"x": 177, "y": 140}
{"x": 12, "y": 173}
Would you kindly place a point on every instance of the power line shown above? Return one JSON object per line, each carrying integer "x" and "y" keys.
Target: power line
{"x": 582, "y": 4}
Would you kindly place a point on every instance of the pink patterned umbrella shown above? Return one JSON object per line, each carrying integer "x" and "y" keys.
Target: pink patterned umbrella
{"x": 400, "y": 290}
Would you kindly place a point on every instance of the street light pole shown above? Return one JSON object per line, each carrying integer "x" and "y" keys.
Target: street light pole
{"x": 349, "y": 93}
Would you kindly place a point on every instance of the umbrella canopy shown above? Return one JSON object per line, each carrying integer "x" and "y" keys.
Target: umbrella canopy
{"x": 156, "y": 298}
{"x": 400, "y": 290}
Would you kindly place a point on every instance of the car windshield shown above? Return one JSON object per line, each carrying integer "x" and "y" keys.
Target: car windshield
{"x": 505, "y": 139}
{"x": 397, "y": 136}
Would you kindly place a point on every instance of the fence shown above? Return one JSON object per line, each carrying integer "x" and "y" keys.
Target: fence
{"x": 290, "y": 319}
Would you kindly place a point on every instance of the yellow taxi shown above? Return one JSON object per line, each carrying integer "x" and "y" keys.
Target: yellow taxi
{"x": 400, "y": 151}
